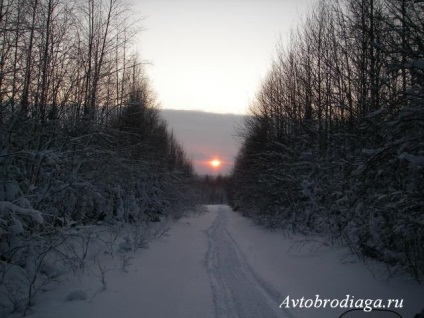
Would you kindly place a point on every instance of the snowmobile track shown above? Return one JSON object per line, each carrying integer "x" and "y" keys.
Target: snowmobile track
{"x": 238, "y": 292}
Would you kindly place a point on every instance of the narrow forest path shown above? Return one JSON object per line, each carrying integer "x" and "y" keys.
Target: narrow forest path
{"x": 238, "y": 291}
{"x": 221, "y": 265}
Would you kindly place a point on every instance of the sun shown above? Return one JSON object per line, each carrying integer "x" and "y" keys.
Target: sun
{"x": 215, "y": 163}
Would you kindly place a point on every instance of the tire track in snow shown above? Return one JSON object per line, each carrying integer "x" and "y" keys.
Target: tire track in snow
{"x": 237, "y": 291}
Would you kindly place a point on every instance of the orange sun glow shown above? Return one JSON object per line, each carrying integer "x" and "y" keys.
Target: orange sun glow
{"x": 215, "y": 163}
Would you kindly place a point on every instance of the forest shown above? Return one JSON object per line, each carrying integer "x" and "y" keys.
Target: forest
{"x": 334, "y": 142}
{"x": 84, "y": 151}
{"x": 333, "y": 145}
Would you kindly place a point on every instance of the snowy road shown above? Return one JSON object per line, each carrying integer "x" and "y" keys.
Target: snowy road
{"x": 221, "y": 265}
{"x": 238, "y": 292}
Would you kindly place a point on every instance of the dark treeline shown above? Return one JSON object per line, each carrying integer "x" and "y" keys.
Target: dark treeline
{"x": 334, "y": 144}
{"x": 81, "y": 139}
{"x": 213, "y": 189}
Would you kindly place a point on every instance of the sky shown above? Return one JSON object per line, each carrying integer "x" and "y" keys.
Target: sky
{"x": 211, "y": 56}
{"x": 206, "y": 137}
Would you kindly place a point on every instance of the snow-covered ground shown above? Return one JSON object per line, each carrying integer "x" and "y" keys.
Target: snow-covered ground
{"x": 221, "y": 265}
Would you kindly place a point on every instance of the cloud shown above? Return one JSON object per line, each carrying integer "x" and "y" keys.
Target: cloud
{"x": 205, "y": 136}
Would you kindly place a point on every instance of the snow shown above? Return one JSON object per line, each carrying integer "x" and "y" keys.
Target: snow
{"x": 221, "y": 265}
{"x": 7, "y": 207}
{"x": 77, "y": 295}
{"x": 416, "y": 160}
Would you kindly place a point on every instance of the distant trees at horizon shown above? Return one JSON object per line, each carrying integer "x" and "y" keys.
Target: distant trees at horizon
{"x": 213, "y": 189}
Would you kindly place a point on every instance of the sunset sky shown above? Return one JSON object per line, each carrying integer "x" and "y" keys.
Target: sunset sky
{"x": 206, "y": 137}
{"x": 211, "y": 56}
